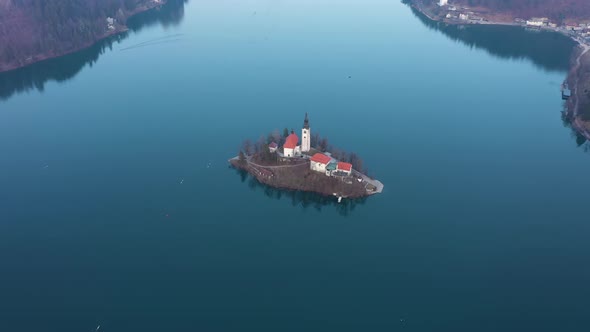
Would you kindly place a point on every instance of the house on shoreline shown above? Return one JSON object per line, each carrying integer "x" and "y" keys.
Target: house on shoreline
{"x": 322, "y": 163}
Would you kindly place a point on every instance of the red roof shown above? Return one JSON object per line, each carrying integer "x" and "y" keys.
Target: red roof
{"x": 345, "y": 166}
{"x": 273, "y": 145}
{"x": 291, "y": 141}
{"x": 321, "y": 158}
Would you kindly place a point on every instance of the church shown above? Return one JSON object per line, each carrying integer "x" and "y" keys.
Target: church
{"x": 291, "y": 148}
{"x": 319, "y": 162}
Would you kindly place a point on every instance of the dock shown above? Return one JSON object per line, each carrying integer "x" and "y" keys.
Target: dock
{"x": 566, "y": 93}
{"x": 373, "y": 186}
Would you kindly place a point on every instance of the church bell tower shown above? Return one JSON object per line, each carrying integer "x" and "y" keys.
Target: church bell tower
{"x": 305, "y": 136}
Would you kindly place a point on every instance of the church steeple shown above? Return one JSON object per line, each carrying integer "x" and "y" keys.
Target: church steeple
{"x": 305, "y": 135}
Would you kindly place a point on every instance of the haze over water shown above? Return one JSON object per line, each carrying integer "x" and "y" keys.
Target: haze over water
{"x": 483, "y": 224}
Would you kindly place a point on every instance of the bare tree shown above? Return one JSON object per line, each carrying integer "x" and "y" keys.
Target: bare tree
{"x": 276, "y": 136}
{"x": 356, "y": 161}
{"x": 242, "y": 158}
{"x": 247, "y": 146}
{"x": 260, "y": 143}
{"x": 323, "y": 145}
{"x": 315, "y": 139}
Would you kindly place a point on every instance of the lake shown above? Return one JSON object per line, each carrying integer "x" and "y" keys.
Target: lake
{"x": 118, "y": 207}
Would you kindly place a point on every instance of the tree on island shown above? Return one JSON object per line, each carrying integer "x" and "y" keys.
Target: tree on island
{"x": 323, "y": 144}
{"x": 356, "y": 161}
{"x": 247, "y": 147}
{"x": 242, "y": 158}
{"x": 285, "y": 132}
{"x": 314, "y": 139}
{"x": 266, "y": 156}
{"x": 275, "y": 136}
{"x": 260, "y": 145}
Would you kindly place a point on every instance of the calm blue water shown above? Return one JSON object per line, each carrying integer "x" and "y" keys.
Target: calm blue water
{"x": 483, "y": 225}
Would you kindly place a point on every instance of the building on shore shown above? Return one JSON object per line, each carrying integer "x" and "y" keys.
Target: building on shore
{"x": 345, "y": 168}
{"x": 332, "y": 166}
{"x": 272, "y": 147}
{"x": 319, "y": 162}
{"x": 537, "y": 21}
{"x": 322, "y": 163}
{"x": 443, "y": 2}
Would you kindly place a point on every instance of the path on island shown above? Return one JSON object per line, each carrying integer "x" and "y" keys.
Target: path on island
{"x": 251, "y": 163}
{"x": 273, "y": 167}
{"x": 367, "y": 180}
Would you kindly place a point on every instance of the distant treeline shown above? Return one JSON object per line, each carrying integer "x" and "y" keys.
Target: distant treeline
{"x": 558, "y": 10}
{"x": 45, "y": 28}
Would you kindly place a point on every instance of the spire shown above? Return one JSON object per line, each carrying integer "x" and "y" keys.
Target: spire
{"x": 306, "y": 122}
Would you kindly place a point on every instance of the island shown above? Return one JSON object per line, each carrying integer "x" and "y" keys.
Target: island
{"x": 570, "y": 18}
{"x": 310, "y": 165}
{"x": 36, "y": 30}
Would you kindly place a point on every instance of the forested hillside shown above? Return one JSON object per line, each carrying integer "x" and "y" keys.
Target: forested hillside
{"x": 32, "y": 30}
{"x": 558, "y": 10}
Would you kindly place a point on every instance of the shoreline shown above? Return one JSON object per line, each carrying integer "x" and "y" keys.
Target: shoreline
{"x": 271, "y": 176}
{"x": 119, "y": 30}
{"x": 572, "y": 77}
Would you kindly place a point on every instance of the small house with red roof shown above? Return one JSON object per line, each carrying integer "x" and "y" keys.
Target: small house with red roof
{"x": 319, "y": 162}
{"x": 344, "y": 168}
{"x": 272, "y": 147}
{"x": 290, "y": 148}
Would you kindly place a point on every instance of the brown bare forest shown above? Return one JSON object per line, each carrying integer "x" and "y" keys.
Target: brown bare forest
{"x": 558, "y": 10}
{"x": 32, "y": 30}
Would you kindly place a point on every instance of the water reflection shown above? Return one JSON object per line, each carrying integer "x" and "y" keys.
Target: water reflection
{"x": 300, "y": 198}
{"x": 580, "y": 139}
{"x": 549, "y": 51}
{"x": 64, "y": 68}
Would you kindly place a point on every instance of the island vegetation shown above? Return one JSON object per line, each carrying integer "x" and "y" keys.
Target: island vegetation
{"x": 260, "y": 152}
{"x": 35, "y": 30}
{"x": 335, "y": 173}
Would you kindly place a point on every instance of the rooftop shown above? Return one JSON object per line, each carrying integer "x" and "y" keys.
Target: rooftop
{"x": 345, "y": 166}
{"x": 321, "y": 158}
{"x": 291, "y": 141}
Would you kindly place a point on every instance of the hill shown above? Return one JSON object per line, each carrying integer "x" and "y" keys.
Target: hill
{"x": 34, "y": 30}
{"x": 557, "y": 10}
